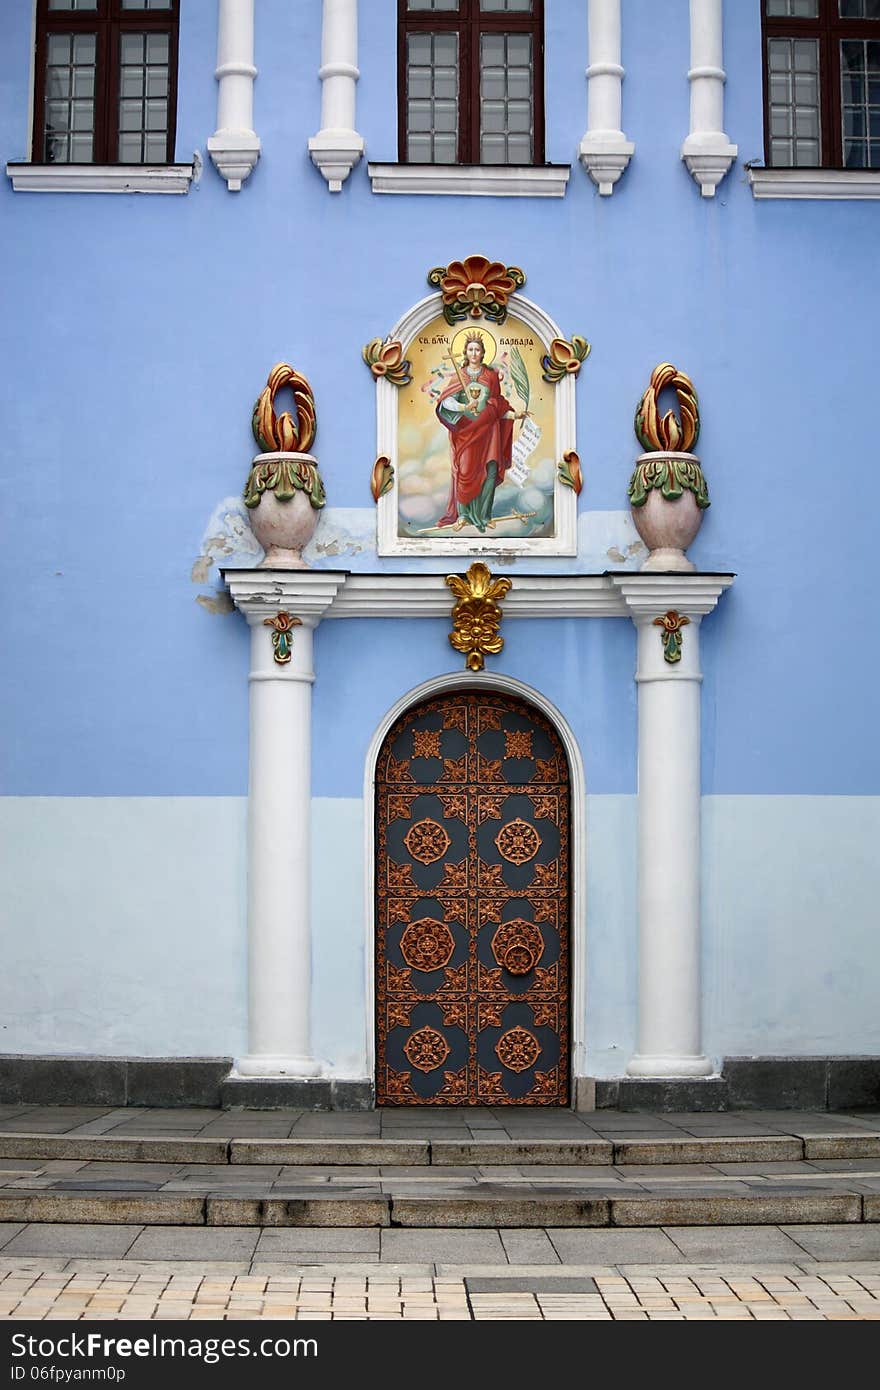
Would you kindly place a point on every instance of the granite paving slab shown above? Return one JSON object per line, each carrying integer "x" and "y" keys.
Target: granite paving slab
{"x": 830, "y": 1242}
{"x": 451, "y": 1247}
{"x": 331, "y": 1241}
{"x": 722, "y": 1209}
{"x": 330, "y": 1151}
{"x": 608, "y": 1247}
{"x": 529, "y": 1247}
{"x": 495, "y": 1211}
{"x": 8, "y": 1229}
{"x": 734, "y": 1243}
{"x": 94, "y": 1148}
{"x": 146, "y": 1208}
{"x": 195, "y": 1243}
{"x": 80, "y": 1240}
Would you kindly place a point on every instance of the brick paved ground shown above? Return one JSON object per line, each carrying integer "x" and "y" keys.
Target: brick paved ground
{"x": 98, "y": 1290}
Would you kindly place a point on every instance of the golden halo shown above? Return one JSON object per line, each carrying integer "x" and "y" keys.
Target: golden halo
{"x": 461, "y": 338}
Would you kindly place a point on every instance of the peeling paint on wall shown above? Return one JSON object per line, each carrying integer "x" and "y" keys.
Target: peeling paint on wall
{"x": 616, "y": 554}
{"x": 227, "y": 538}
{"x": 219, "y": 603}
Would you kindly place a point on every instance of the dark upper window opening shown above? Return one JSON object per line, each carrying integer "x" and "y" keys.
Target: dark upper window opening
{"x": 105, "y": 82}
{"x": 821, "y": 83}
{"x": 470, "y": 86}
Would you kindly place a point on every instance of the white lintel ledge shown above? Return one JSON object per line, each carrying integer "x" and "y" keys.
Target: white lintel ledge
{"x": 102, "y": 178}
{"x": 472, "y": 180}
{"x": 821, "y": 184}
{"x": 320, "y": 594}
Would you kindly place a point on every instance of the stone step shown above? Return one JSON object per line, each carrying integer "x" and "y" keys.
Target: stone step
{"x": 437, "y": 1152}
{"x": 500, "y": 1207}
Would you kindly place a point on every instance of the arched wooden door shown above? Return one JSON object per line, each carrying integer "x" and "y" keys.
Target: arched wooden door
{"x": 472, "y": 906}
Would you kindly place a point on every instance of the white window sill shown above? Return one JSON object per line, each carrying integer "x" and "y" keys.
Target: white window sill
{"x": 101, "y": 178}
{"x": 823, "y": 184}
{"x": 472, "y": 180}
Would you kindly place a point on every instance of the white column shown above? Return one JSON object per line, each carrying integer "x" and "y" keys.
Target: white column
{"x": 337, "y": 147}
{"x": 669, "y": 825}
{"x": 279, "y": 820}
{"x": 604, "y": 150}
{"x": 235, "y": 147}
{"x": 707, "y": 151}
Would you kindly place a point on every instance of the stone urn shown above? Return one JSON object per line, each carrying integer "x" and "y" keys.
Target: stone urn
{"x": 667, "y": 491}
{"x": 667, "y": 524}
{"x": 285, "y": 516}
{"x": 284, "y": 492}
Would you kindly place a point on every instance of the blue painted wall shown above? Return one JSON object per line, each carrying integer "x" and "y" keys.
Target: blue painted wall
{"x": 137, "y": 331}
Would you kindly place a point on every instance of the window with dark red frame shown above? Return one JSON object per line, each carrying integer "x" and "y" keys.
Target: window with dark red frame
{"x": 822, "y": 83}
{"x": 471, "y": 82}
{"x": 106, "y": 81}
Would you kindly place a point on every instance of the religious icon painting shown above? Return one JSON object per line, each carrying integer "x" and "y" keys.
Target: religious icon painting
{"x": 476, "y": 417}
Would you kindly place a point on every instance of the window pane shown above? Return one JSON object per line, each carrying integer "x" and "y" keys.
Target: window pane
{"x": 131, "y": 48}
{"x": 431, "y": 5}
{"x": 157, "y": 48}
{"x": 84, "y": 50}
{"x": 146, "y": 4}
{"x": 506, "y": 6}
{"x": 82, "y": 113}
{"x": 519, "y": 149}
{"x": 143, "y": 98}
{"x": 84, "y": 82}
{"x": 794, "y": 115}
{"x": 506, "y": 104}
{"x": 59, "y": 49}
{"x": 432, "y": 110}
{"x": 493, "y": 149}
{"x": 57, "y": 82}
{"x": 445, "y": 149}
{"x": 806, "y": 55}
{"x": 154, "y": 149}
{"x": 73, "y": 4}
{"x": 806, "y": 153}
{"x": 859, "y": 9}
{"x": 130, "y": 149}
{"x": 419, "y": 82}
{"x": 418, "y": 149}
{"x": 70, "y": 105}
{"x": 860, "y": 102}
{"x": 792, "y": 9}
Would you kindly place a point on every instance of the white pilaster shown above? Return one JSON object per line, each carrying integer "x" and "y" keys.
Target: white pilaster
{"x": 279, "y": 822}
{"x": 337, "y": 147}
{"x": 604, "y": 150}
{"x": 707, "y": 151}
{"x": 669, "y": 827}
{"x": 235, "y": 147}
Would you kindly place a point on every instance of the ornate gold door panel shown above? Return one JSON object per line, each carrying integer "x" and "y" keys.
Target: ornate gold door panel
{"x": 472, "y": 891}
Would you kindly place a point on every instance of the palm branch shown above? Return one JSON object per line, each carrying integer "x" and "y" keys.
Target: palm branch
{"x": 520, "y": 376}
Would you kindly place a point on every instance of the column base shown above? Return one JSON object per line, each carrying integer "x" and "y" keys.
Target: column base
{"x": 274, "y": 1065}
{"x": 669, "y": 1066}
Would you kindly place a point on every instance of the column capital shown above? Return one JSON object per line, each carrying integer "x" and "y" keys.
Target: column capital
{"x": 649, "y": 596}
{"x": 307, "y": 594}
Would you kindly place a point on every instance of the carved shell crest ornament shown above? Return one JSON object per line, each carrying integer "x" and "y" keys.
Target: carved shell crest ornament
{"x": 284, "y": 489}
{"x": 476, "y": 288}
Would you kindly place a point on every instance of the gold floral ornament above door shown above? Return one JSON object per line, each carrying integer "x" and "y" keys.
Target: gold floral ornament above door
{"x": 475, "y": 391}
